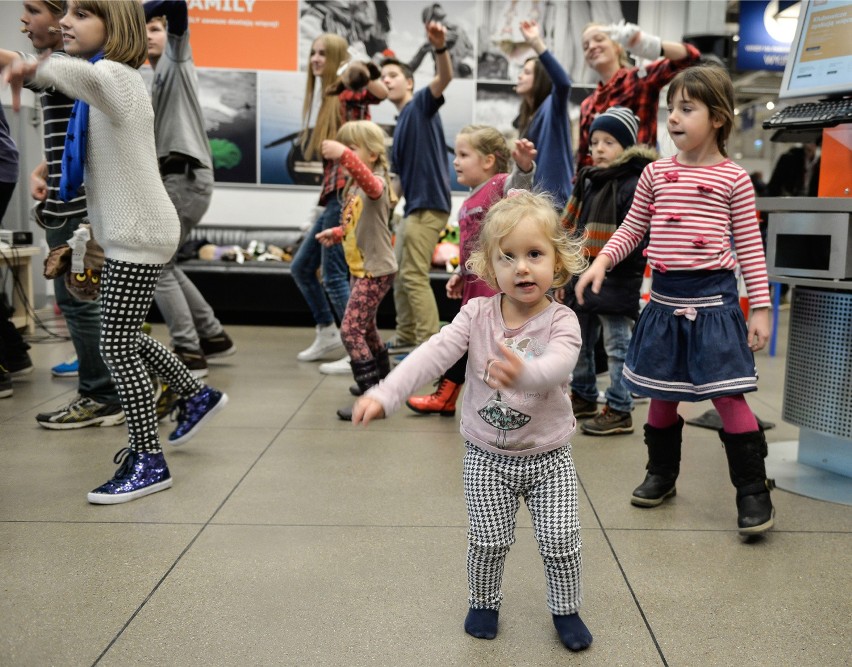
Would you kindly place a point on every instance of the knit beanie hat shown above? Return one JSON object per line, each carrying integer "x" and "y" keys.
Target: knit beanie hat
{"x": 620, "y": 122}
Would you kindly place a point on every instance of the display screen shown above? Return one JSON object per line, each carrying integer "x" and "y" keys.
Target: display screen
{"x": 803, "y": 251}
{"x": 821, "y": 61}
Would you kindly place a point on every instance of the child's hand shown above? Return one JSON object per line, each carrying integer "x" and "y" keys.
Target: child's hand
{"x": 454, "y": 286}
{"x": 366, "y": 410}
{"x": 330, "y": 237}
{"x": 524, "y": 154}
{"x": 437, "y": 34}
{"x": 593, "y": 276}
{"x": 332, "y": 150}
{"x": 38, "y": 186}
{"x": 503, "y": 373}
{"x": 758, "y": 329}
{"x": 15, "y": 74}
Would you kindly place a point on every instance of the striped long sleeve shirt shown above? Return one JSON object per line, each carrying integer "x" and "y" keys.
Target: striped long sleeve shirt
{"x": 700, "y": 218}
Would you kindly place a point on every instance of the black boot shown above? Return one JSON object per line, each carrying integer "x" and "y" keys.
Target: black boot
{"x": 746, "y": 451}
{"x": 382, "y": 363}
{"x": 366, "y": 375}
{"x": 663, "y": 465}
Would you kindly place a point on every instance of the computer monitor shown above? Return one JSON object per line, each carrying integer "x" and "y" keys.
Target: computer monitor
{"x": 820, "y": 62}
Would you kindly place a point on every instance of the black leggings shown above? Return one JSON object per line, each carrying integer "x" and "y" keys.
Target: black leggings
{"x": 126, "y": 293}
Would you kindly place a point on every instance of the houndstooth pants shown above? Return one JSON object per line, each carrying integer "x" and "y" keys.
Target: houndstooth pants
{"x": 127, "y": 290}
{"x": 493, "y": 484}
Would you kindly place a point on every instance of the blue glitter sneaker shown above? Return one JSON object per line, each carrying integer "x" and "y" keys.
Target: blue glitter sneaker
{"x": 139, "y": 474}
{"x": 195, "y": 411}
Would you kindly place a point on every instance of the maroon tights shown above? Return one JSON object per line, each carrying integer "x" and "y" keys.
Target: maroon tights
{"x": 736, "y": 416}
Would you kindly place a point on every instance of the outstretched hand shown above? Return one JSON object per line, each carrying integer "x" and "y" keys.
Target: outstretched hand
{"x": 16, "y": 73}
{"x": 366, "y": 410}
{"x": 503, "y": 373}
{"x": 530, "y": 30}
{"x": 332, "y": 150}
{"x": 524, "y": 154}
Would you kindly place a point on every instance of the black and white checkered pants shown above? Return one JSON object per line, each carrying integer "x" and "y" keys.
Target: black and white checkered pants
{"x": 127, "y": 290}
{"x": 493, "y": 484}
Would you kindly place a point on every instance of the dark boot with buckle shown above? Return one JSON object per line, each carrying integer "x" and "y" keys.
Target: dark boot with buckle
{"x": 366, "y": 375}
{"x": 745, "y": 452}
{"x": 663, "y": 465}
{"x": 382, "y": 364}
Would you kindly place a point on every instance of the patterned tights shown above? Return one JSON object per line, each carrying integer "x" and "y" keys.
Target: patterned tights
{"x": 127, "y": 290}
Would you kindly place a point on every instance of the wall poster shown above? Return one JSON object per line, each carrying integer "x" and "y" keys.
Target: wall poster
{"x": 252, "y": 57}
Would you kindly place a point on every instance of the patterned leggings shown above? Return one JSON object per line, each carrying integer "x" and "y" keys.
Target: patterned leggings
{"x": 126, "y": 293}
{"x": 492, "y": 485}
{"x": 358, "y": 330}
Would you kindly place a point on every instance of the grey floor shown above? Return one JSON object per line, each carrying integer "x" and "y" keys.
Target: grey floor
{"x": 291, "y": 538}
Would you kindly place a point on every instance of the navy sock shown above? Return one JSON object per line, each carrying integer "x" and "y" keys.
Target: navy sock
{"x": 572, "y": 631}
{"x": 481, "y": 623}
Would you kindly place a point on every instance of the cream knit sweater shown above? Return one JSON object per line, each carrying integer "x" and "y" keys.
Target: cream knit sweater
{"x": 132, "y": 217}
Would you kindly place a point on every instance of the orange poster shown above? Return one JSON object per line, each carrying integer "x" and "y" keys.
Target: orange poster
{"x": 245, "y": 34}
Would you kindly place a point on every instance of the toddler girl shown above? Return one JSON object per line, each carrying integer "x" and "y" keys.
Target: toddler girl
{"x": 111, "y": 137}
{"x": 521, "y": 347}
{"x": 691, "y": 342}
{"x": 366, "y": 237}
{"x": 481, "y": 163}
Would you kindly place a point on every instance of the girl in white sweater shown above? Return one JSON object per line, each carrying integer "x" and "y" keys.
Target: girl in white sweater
{"x": 110, "y": 139}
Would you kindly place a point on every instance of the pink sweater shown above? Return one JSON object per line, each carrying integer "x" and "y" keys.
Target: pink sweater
{"x": 692, "y": 213}
{"x": 531, "y": 418}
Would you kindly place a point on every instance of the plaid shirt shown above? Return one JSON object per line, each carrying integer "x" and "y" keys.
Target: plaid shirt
{"x": 641, "y": 94}
{"x": 353, "y": 106}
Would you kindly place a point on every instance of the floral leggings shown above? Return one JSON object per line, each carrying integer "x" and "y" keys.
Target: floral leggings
{"x": 358, "y": 330}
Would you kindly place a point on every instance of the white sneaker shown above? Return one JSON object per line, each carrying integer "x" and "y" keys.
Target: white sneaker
{"x": 339, "y": 367}
{"x": 326, "y": 344}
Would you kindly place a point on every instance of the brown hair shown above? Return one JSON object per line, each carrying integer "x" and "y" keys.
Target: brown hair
{"x": 56, "y": 7}
{"x": 711, "y": 85}
{"x": 504, "y": 216}
{"x": 126, "y": 35}
{"x": 487, "y": 140}
{"x": 541, "y": 88}
{"x": 328, "y": 117}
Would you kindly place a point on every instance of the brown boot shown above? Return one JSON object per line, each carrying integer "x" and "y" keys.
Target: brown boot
{"x": 442, "y": 402}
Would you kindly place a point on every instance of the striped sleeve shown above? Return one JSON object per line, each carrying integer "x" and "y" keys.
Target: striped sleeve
{"x": 748, "y": 244}
{"x": 631, "y": 232}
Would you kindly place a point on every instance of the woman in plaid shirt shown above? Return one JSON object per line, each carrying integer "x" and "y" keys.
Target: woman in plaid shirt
{"x": 637, "y": 88}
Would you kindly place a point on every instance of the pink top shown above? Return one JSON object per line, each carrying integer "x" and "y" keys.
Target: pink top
{"x": 531, "y": 418}
{"x": 692, "y": 213}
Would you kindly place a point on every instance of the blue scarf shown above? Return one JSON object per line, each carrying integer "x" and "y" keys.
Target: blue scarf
{"x": 74, "y": 157}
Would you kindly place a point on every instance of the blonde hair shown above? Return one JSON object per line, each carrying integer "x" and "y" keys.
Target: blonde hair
{"x": 372, "y": 138}
{"x": 328, "y": 118}
{"x": 505, "y": 215}
{"x": 126, "y": 35}
{"x": 487, "y": 140}
{"x": 712, "y": 86}
{"x": 623, "y": 58}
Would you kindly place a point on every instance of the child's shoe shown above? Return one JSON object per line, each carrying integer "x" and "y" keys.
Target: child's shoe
{"x": 195, "y": 411}
{"x": 139, "y": 474}
{"x": 70, "y": 368}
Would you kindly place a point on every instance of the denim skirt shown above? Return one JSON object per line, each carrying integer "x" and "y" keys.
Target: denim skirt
{"x": 691, "y": 341}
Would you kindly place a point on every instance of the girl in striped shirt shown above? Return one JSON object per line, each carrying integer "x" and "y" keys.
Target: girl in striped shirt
{"x": 691, "y": 342}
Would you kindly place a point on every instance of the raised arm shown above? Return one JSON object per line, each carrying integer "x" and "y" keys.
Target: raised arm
{"x": 437, "y": 35}
{"x": 175, "y": 11}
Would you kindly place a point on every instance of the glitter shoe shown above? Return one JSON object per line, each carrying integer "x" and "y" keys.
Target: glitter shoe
{"x": 195, "y": 411}
{"x": 139, "y": 474}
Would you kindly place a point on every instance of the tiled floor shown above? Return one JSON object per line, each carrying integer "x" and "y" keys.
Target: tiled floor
{"x": 290, "y": 538}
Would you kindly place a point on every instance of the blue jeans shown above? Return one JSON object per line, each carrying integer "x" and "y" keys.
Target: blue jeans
{"x": 617, "y": 330}
{"x": 335, "y": 272}
{"x": 83, "y": 319}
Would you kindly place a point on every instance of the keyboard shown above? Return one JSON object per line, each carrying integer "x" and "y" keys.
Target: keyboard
{"x": 811, "y": 115}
